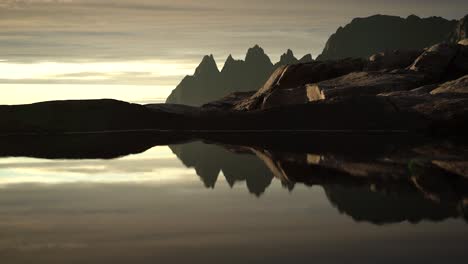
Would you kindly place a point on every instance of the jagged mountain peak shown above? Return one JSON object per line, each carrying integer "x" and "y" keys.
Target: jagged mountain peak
{"x": 207, "y": 66}
{"x": 306, "y": 58}
{"x": 257, "y": 55}
{"x": 230, "y": 58}
{"x": 288, "y": 58}
{"x": 231, "y": 63}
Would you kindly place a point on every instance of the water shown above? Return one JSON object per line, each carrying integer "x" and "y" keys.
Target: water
{"x": 196, "y": 202}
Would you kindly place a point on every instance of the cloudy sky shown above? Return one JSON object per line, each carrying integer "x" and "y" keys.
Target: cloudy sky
{"x": 50, "y": 47}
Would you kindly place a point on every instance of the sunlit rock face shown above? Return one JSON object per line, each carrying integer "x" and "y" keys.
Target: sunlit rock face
{"x": 436, "y": 60}
{"x": 365, "y": 83}
{"x": 236, "y": 76}
{"x": 456, "y": 86}
{"x": 293, "y": 77}
{"x": 366, "y": 36}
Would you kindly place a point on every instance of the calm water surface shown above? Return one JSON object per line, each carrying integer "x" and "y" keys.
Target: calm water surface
{"x": 196, "y": 202}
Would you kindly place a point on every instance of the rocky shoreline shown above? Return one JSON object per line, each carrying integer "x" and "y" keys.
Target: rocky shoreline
{"x": 419, "y": 91}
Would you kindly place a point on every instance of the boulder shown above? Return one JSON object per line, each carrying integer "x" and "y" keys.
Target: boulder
{"x": 455, "y": 167}
{"x": 294, "y": 76}
{"x": 392, "y": 59}
{"x": 435, "y": 60}
{"x": 457, "y": 86}
{"x": 461, "y": 30}
{"x": 463, "y": 42}
{"x": 280, "y": 97}
{"x": 364, "y": 83}
{"x": 459, "y": 65}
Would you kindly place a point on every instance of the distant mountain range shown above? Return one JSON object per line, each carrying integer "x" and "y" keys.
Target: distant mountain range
{"x": 209, "y": 83}
{"x": 359, "y": 39}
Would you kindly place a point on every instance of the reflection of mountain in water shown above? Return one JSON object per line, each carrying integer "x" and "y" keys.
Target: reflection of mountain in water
{"x": 388, "y": 188}
{"x": 379, "y": 179}
{"x": 210, "y": 160}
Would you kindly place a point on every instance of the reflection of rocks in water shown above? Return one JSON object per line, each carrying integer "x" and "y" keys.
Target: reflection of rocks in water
{"x": 380, "y": 190}
{"x": 380, "y": 207}
{"x": 210, "y": 160}
{"x": 392, "y": 186}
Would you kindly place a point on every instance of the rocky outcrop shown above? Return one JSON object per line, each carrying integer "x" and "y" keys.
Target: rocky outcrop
{"x": 209, "y": 84}
{"x": 363, "y": 83}
{"x": 439, "y": 61}
{"x": 411, "y": 74}
{"x": 456, "y": 86}
{"x": 295, "y": 76}
{"x": 395, "y": 59}
{"x": 366, "y": 36}
{"x": 427, "y": 96}
{"x": 461, "y": 31}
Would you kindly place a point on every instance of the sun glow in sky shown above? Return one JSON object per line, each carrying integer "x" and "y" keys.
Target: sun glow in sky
{"x": 134, "y": 81}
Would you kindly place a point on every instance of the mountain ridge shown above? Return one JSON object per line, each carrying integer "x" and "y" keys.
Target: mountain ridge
{"x": 365, "y": 36}
{"x": 208, "y": 83}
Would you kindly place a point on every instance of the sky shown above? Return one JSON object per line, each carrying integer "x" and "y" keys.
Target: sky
{"x": 139, "y": 50}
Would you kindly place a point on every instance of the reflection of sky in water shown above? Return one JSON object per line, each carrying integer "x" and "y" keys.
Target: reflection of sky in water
{"x": 155, "y": 165}
{"x": 149, "y": 208}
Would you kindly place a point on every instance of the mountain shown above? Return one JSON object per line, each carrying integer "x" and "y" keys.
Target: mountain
{"x": 366, "y": 36}
{"x": 208, "y": 83}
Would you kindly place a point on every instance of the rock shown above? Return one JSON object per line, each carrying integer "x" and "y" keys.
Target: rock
{"x": 366, "y": 36}
{"x": 460, "y": 31}
{"x": 294, "y": 76}
{"x": 389, "y": 60}
{"x": 435, "y": 61}
{"x": 228, "y": 102}
{"x": 456, "y": 167}
{"x": 456, "y": 86}
{"x": 450, "y": 109}
{"x": 459, "y": 65}
{"x": 364, "y": 83}
{"x": 282, "y": 97}
{"x": 463, "y": 42}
